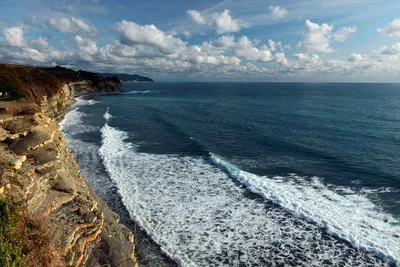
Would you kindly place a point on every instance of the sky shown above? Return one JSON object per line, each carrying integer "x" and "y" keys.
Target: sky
{"x": 229, "y": 40}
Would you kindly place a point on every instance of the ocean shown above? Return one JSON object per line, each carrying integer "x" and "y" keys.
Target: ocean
{"x": 249, "y": 174}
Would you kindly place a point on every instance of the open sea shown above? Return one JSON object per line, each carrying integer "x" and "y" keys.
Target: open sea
{"x": 249, "y": 174}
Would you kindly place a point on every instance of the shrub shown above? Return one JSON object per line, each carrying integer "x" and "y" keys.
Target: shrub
{"x": 24, "y": 241}
{"x": 10, "y": 242}
{"x": 28, "y": 83}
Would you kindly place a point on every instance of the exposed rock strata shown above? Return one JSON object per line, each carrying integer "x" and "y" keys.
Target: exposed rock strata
{"x": 37, "y": 166}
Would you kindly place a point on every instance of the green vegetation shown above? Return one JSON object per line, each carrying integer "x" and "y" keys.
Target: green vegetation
{"x": 126, "y": 77}
{"x": 10, "y": 245}
{"x": 23, "y": 240}
{"x": 27, "y": 83}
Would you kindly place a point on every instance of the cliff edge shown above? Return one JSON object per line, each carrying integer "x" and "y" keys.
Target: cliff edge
{"x": 37, "y": 168}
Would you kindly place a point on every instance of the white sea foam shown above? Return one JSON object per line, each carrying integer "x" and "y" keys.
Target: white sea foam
{"x": 92, "y": 102}
{"x": 349, "y": 216}
{"x": 200, "y": 216}
{"x": 73, "y": 124}
{"x": 141, "y": 92}
{"x": 81, "y": 101}
{"x": 107, "y": 115}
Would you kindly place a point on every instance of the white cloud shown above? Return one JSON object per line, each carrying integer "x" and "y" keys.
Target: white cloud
{"x": 281, "y": 59}
{"x": 392, "y": 29}
{"x": 130, "y": 33}
{"x": 225, "y": 41}
{"x": 317, "y": 38}
{"x": 72, "y": 25}
{"x": 197, "y": 17}
{"x": 223, "y": 22}
{"x": 277, "y": 12}
{"x": 342, "y": 33}
{"x": 393, "y": 50}
{"x": 14, "y": 36}
{"x": 86, "y": 45}
{"x": 275, "y": 45}
{"x": 26, "y": 55}
{"x": 356, "y": 57}
{"x": 306, "y": 58}
{"x": 40, "y": 44}
{"x": 245, "y": 50}
{"x": 157, "y": 53}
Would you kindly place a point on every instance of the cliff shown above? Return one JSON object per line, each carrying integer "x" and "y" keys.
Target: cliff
{"x": 36, "y": 167}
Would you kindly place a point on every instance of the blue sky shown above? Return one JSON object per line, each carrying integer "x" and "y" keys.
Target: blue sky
{"x": 252, "y": 40}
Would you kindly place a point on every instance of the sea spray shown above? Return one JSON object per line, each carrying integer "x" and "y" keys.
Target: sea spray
{"x": 350, "y": 216}
{"x": 200, "y": 217}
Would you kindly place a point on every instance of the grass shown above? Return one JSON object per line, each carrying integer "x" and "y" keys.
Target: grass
{"x": 10, "y": 245}
{"x": 24, "y": 241}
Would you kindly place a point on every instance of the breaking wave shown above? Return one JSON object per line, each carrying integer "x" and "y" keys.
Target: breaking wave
{"x": 73, "y": 123}
{"x": 141, "y": 92}
{"x": 201, "y": 217}
{"x": 347, "y": 215}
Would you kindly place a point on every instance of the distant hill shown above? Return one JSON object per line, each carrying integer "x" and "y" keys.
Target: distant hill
{"x": 127, "y": 77}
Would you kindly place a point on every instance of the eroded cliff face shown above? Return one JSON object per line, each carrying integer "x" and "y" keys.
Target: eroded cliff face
{"x": 37, "y": 167}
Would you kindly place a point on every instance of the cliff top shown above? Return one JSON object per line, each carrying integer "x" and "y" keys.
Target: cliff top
{"x": 31, "y": 84}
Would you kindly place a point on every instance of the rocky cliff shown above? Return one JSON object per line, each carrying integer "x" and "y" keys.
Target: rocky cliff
{"x": 37, "y": 167}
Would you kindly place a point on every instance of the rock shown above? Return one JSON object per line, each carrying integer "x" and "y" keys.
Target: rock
{"x": 41, "y": 170}
{"x": 18, "y": 163}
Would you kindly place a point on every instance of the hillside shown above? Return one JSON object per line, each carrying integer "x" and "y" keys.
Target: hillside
{"x": 35, "y": 84}
{"x": 127, "y": 77}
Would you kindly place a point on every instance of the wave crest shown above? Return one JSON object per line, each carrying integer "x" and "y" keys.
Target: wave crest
{"x": 350, "y": 216}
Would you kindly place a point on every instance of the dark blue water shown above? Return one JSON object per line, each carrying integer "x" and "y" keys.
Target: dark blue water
{"x": 251, "y": 174}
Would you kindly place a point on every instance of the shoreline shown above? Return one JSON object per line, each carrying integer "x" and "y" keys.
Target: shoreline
{"x": 148, "y": 252}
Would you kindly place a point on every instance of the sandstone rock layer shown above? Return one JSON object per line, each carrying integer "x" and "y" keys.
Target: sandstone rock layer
{"x": 37, "y": 167}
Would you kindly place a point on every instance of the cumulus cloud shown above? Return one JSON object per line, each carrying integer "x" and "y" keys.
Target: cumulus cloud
{"x": 317, "y": 37}
{"x": 225, "y": 41}
{"x": 355, "y": 57}
{"x": 72, "y": 25}
{"x": 306, "y": 58}
{"x": 223, "y": 22}
{"x": 158, "y": 53}
{"x": 197, "y": 17}
{"x": 393, "y": 50}
{"x": 130, "y": 33}
{"x": 14, "y": 36}
{"x": 343, "y": 33}
{"x": 245, "y": 49}
{"x": 85, "y": 46}
{"x": 275, "y": 45}
{"x": 27, "y": 55}
{"x": 392, "y": 29}
{"x": 277, "y": 12}
{"x": 40, "y": 44}
{"x": 281, "y": 59}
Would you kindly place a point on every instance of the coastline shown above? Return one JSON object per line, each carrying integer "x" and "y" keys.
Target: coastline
{"x": 38, "y": 169}
{"x": 148, "y": 253}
